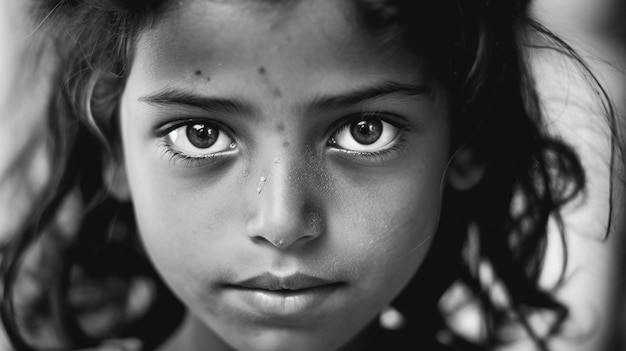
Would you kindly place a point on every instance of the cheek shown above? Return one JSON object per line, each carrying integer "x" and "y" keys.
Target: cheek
{"x": 192, "y": 238}
{"x": 185, "y": 224}
{"x": 186, "y": 228}
{"x": 388, "y": 212}
{"x": 383, "y": 231}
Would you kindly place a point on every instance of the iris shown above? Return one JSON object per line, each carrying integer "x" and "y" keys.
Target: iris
{"x": 367, "y": 132}
{"x": 202, "y": 136}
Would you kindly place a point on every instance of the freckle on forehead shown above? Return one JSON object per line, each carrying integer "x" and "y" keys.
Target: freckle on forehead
{"x": 285, "y": 144}
{"x": 280, "y": 126}
{"x": 198, "y": 72}
{"x": 271, "y": 86}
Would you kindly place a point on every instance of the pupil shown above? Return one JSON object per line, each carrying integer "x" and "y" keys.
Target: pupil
{"x": 201, "y": 135}
{"x": 367, "y": 132}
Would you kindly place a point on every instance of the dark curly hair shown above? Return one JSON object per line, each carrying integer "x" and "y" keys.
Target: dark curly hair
{"x": 91, "y": 271}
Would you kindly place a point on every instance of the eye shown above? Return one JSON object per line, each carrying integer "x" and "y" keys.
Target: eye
{"x": 365, "y": 135}
{"x": 199, "y": 139}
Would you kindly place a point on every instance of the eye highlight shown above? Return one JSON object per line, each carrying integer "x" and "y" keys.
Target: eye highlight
{"x": 367, "y": 134}
{"x": 199, "y": 140}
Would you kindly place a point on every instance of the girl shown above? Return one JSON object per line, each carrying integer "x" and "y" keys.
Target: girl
{"x": 274, "y": 174}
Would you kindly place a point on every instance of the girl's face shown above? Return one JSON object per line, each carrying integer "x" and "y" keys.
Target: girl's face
{"x": 285, "y": 168}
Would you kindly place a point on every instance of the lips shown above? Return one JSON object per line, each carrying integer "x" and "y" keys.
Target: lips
{"x": 298, "y": 281}
{"x": 284, "y": 299}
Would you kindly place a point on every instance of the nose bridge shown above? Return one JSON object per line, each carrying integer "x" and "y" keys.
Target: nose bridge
{"x": 285, "y": 209}
{"x": 285, "y": 195}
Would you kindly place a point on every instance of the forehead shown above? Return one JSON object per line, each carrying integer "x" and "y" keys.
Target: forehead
{"x": 204, "y": 26}
{"x": 299, "y": 44}
{"x": 260, "y": 4}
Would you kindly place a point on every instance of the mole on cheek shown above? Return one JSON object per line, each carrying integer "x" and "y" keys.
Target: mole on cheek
{"x": 280, "y": 127}
{"x": 198, "y": 72}
{"x": 285, "y": 144}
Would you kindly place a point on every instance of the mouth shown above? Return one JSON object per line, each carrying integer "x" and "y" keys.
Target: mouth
{"x": 292, "y": 283}
{"x": 296, "y": 295}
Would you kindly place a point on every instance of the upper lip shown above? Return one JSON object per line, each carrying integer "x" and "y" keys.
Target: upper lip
{"x": 297, "y": 281}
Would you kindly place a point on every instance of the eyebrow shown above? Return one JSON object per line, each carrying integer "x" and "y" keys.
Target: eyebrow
{"x": 178, "y": 98}
{"x": 377, "y": 91}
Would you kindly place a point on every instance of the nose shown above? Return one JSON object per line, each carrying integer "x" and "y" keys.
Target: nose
{"x": 284, "y": 208}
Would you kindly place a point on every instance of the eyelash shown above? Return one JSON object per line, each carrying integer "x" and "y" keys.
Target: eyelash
{"x": 178, "y": 158}
{"x": 376, "y": 157}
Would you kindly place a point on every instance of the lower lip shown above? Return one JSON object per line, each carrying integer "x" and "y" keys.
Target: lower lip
{"x": 294, "y": 303}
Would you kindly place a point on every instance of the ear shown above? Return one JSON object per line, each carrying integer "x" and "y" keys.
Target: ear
{"x": 466, "y": 170}
{"x": 115, "y": 178}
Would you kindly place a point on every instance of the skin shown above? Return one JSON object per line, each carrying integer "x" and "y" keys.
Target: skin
{"x": 282, "y": 200}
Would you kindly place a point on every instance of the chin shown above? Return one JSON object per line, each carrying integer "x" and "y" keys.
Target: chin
{"x": 289, "y": 340}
